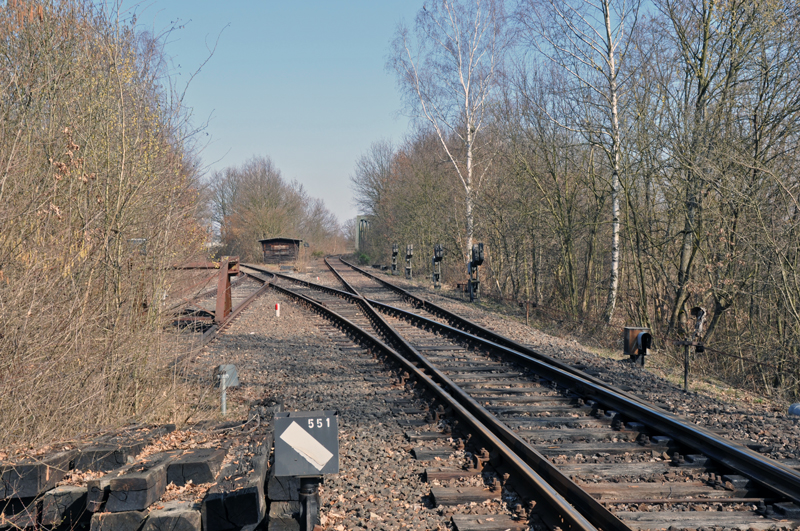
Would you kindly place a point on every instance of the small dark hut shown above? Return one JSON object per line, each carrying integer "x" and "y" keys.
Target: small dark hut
{"x": 280, "y": 250}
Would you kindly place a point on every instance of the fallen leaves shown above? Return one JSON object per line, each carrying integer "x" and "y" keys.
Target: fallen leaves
{"x": 78, "y": 478}
{"x": 188, "y": 492}
{"x": 176, "y": 440}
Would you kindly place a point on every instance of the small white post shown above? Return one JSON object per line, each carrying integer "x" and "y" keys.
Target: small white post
{"x": 277, "y": 309}
{"x": 223, "y": 380}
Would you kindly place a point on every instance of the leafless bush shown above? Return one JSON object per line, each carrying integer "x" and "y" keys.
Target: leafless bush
{"x": 97, "y": 200}
{"x": 253, "y": 202}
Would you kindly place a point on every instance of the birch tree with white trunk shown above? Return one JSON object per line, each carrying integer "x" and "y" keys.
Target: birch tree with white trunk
{"x": 446, "y": 69}
{"x": 588, "y": 40}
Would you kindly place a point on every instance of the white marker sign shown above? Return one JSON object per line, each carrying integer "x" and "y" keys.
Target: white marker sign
{"x": 306, "y": 445}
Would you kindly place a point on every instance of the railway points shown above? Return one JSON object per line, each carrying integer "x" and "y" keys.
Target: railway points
{"x": 442, "y": 426}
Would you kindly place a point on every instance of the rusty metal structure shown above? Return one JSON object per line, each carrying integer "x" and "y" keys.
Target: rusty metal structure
{"x": 228, "y": 267}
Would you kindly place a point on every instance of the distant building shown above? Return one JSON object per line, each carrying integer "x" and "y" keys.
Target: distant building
{"x": 362, "y": 229}
{"x": 280, "y": 250}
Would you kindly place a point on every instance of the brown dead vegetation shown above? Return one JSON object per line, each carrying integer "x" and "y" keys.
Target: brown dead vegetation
{"x": 633, "y": 175}
{"x": 97, "y": 199}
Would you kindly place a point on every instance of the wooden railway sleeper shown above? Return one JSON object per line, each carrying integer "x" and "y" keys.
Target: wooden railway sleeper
{"x": 574, "y": 518}
{"x": 616, "y": 417}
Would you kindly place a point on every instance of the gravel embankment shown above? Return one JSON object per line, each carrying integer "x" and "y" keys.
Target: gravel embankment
{"x": 296, "y": 358}
{"x": 763, "y": 426}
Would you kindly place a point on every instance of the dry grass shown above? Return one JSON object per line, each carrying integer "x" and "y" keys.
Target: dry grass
{"x": 98, "y": 200}
{"x": 666, "y": 364}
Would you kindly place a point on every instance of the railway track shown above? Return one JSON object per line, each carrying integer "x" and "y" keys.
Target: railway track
{"x": 601, "y": 457}
{"x": 198, "y": 312}
{"x": 509, "y": 438}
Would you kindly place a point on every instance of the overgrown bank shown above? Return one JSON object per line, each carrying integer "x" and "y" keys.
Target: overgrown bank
{"x": 637, "y": 161}
{"x": 98, "y": 192}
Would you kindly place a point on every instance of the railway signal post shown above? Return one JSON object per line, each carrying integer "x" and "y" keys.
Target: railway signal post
{"x": 436, "y": 276}
{"x": 472, "y": 269}
{"x": 395, "y": 252}
{"x": 636, "y": 343}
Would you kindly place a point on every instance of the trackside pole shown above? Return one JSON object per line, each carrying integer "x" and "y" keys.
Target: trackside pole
{"x": 223, "y": 380}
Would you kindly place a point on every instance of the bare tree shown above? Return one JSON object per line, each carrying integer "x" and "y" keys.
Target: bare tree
{"x": 711, "y": 45}
{"x": 372, "y": 177}
{"x": 409, "y": 198}
{"x": 447, "y": 71}
{"x": 253, "y": 201}
{"x": 588, "y": 39}
{"x": 97, "y": 202}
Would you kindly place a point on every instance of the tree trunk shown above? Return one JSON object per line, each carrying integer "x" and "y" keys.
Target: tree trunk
{"x": 537, "y": 280}
{"x": 469, "y": 190}
{"x": 613, "y": 281}
{"x": 468, "y": 204}
{"x": 688, "y": 249}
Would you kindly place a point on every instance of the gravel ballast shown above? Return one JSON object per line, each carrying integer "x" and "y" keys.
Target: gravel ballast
{"x": 760, "y": 424}
{"x": 299, "y": 359}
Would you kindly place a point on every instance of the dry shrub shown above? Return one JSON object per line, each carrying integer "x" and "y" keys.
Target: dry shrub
{"x": 97, "y": 200}
{"x": 253, "y": 202}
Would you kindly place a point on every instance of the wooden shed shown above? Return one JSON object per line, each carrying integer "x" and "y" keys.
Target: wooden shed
{"x": 280, "y": 250}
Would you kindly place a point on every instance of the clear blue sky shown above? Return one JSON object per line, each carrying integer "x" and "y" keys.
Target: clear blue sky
{"x": 302, "y": 82}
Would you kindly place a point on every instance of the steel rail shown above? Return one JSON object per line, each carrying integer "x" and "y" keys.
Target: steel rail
{"x": 763, "y": 470}
{"x": 460, "y": 323}
{"x": 597, "y": 513}
{"x": 318, "y": 287}
{"x": 571, "y": 517}
{"x": 258, "y": 269}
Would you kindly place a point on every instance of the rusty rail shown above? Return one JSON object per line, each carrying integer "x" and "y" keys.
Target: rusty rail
{"x": 765, "y": 471}
{"x": 571, "y": 517}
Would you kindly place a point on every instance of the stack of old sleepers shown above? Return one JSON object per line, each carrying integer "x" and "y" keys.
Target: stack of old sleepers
{"x": 126, "y": 492}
